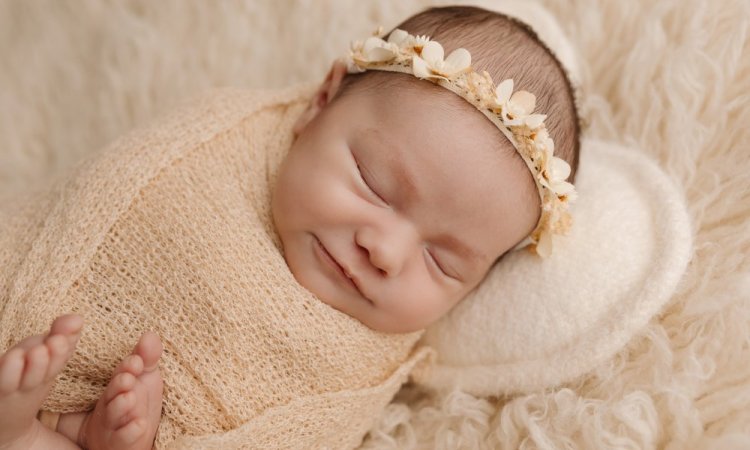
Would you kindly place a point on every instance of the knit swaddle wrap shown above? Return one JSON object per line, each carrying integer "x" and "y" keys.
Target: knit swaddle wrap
{"x": 169, "y": 229}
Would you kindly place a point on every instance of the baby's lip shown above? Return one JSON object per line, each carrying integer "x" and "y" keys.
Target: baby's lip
{"x": 347, "y": 272}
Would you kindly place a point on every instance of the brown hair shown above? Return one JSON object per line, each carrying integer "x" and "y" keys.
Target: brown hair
{"x": 505, "y": 48}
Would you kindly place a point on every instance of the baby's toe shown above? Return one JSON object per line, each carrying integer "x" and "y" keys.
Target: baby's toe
{"x": 119, "y": 410}
{"x": 59, "y": 352}
{"x": 132, "y": 364}
{"x": 149, "y": 348}
{"x": 35, "y": 368}
{"x": 130, "y": 433}
{"x": 11, "y": 368}
{"x": 68, "y": 325}
{"x": 120, "y": 383}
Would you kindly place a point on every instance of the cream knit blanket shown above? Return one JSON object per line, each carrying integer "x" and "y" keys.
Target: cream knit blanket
{"x": 169, "y": 229}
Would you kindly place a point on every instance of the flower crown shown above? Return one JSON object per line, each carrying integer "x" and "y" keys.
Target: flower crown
{"x": 512, "y": 114}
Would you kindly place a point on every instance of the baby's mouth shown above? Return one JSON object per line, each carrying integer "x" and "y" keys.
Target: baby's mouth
{"x": 345, "y": 273}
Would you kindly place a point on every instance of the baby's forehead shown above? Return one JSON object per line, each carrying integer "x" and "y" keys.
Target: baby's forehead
{"x": 428, "y": 127}
{"x": 423, "y": 110}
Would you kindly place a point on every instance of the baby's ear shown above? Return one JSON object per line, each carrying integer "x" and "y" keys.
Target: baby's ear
{"x": 323, "y": 95}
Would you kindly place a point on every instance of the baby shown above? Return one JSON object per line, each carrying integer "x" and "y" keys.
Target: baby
{"x": 394, "y": 201}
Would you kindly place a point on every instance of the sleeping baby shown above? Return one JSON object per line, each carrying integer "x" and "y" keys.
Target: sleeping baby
{"x": 277, "y": 254}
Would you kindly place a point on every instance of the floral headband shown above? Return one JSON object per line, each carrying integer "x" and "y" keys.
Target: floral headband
{"x": 512, "y": 114}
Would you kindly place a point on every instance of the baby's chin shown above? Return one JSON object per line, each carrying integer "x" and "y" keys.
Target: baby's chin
{"x": 327, "y": 292}
{"x": 356, "y": 307}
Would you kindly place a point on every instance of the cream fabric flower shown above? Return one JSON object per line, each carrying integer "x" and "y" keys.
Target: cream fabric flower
{"x": 543, "y": 143}
{"x": 405, "y": 41}
{"x": 373, "y": 50}
{"x": 544, "y": 245}
{"x": 534, "y": 120}
{"x": 378, "y": 50}
{"x": 517, "y": 106}
{"x": 399, "y": 37}
{"x": 432, "y": 65}
{"x": 553, "y": 177}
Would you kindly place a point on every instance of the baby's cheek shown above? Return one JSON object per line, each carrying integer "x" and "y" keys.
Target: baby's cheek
{"x": 417, "y": 301}
{"x": 334, "y": 201}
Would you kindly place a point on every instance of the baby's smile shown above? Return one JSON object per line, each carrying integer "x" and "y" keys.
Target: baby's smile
{"x": 345, "y": 277}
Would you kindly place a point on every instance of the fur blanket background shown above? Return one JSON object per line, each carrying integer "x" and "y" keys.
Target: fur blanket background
{"x": 670, "y": 77}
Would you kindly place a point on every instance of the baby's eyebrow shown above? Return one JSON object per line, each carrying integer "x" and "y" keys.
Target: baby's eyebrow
{"x": 405, "y": 181}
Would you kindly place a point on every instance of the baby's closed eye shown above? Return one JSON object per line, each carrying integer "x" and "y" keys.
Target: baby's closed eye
{"x": 364, "y": 175}
{"x": 442, "y": 267}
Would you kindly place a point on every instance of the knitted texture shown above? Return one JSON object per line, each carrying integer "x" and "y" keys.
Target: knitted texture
{"x": 170, "y": 229}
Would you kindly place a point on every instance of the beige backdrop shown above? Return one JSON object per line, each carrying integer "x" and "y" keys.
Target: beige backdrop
{"x": 671, "y": 77}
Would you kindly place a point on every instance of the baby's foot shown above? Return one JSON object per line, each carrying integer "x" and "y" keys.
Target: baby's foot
{"x": 27, "y": 372}
{"x": 127, "y": 414}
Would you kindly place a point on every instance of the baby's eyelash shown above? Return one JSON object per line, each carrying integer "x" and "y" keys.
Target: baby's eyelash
{"x": 437, "y": 263}
{"x": 362, "y": 176}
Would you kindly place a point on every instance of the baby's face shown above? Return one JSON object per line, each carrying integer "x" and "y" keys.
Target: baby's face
{"x": 392, "y": 213}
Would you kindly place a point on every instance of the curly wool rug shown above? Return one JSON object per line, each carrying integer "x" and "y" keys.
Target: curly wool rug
{"x": 671, "y": 78}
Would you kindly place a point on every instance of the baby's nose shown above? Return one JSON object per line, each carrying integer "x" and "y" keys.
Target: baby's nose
{"x": 389, "y": 246}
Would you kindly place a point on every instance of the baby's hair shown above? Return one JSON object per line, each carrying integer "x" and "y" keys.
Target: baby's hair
{"x": 504, "y": 47}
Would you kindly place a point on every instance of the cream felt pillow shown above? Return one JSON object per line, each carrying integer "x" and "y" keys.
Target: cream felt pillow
{"x": 536, "y": 323}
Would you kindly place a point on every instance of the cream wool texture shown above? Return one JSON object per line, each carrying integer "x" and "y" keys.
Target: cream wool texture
{"x": 169, "y": 229}
{"x": 668, "y": 78}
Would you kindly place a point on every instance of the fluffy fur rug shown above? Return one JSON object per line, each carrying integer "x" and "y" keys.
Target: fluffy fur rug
{"x": 670, "y": 77}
